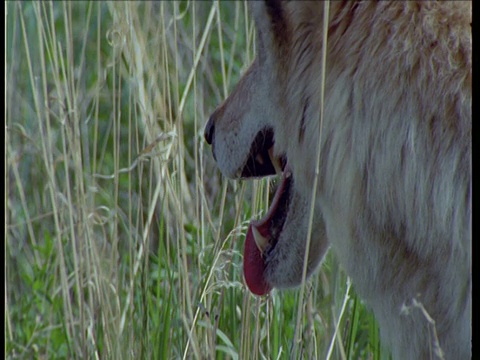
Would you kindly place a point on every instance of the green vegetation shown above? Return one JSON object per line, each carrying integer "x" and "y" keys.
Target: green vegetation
{"x": 122, "y": 239}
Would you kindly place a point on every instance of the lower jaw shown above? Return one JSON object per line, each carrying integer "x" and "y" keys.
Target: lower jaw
{"x": 261, "y": 240}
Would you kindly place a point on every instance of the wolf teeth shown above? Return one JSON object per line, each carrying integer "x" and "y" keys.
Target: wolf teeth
{"x": 259, "y": 159}
{"x": 275, "y": 161}
{"x": 260, "y": 240}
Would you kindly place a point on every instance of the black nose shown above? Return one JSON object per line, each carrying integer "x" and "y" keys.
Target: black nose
{"x": 209, "y": 131}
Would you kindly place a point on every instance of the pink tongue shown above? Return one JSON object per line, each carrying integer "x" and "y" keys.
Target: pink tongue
{"x": 253, "y": 263}
{"x": 254, "y": 266}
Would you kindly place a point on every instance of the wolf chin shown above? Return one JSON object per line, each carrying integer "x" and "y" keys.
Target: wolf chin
{"x": 393, "y": 186}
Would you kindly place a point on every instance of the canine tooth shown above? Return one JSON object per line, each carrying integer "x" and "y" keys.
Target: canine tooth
{"x": 275, "y": 161}
{"x": 260, "y": 240}
{"x": 259, "y": 159}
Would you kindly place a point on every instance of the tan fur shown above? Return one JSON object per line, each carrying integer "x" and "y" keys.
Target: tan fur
{"x": 394, "y": 191}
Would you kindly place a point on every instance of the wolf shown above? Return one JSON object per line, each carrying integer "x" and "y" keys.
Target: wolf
{"x": 378, "y": 149}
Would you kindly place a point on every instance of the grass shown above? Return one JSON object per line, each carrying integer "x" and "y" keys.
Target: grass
{"x": 122, "y": 239}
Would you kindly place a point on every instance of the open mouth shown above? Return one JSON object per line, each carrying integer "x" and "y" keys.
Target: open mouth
{"x": 262, "y": 235}
{"x": 261, "y": 161}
